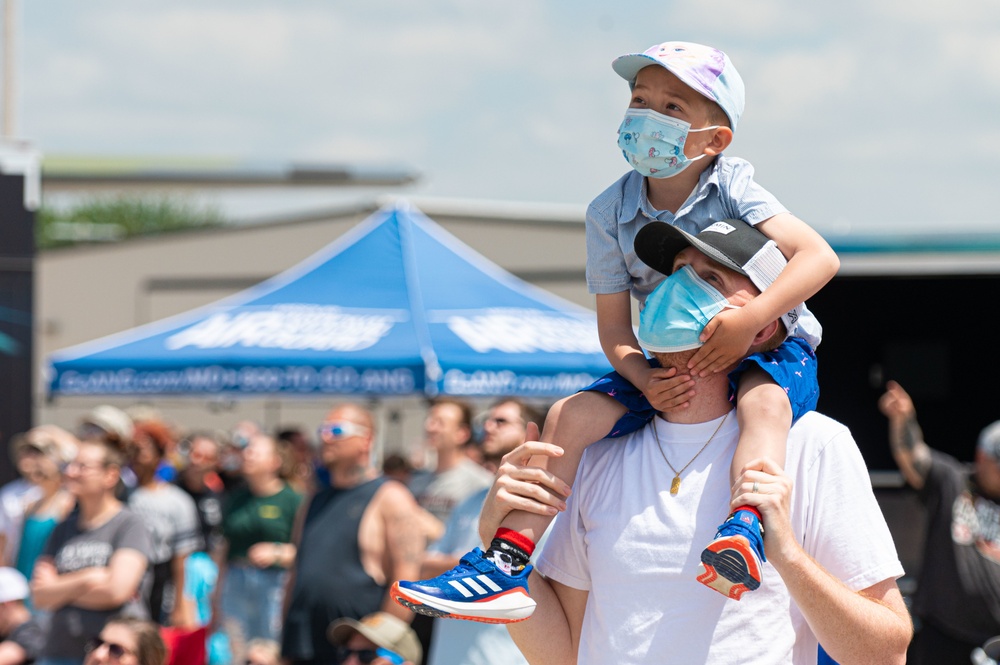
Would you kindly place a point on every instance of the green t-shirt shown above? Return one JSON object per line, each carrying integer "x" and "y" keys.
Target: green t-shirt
{"x": 249, "y": 519}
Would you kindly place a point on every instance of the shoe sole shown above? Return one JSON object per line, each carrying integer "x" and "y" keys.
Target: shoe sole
{"x": 509, "y": 607}
{"x": 730, "y": 566}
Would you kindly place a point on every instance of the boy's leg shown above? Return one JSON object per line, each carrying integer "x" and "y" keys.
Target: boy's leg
{"x": 572, "y": 423}
{"x": 732, "y": 562}
{"x": 491, "y": 586}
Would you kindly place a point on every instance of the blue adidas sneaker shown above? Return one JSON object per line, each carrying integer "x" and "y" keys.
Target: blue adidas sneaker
{"x": 477, "y": 589}
{"x": 733, "y": 563}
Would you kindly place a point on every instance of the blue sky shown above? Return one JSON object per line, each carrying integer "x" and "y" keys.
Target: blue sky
{"x": 859, "y": 114}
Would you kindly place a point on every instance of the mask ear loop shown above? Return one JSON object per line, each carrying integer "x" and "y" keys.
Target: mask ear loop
{"x": 700, "y": 129}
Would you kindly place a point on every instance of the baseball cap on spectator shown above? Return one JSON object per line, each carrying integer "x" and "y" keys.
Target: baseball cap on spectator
{"x": 731, "y": 242}
{"x": 52, "y": 441}
{"x": 706, "y": 70}
{"x": 109, "y": 421}
{"x": 384, "y": 630}
{"x": 989, "y": 441}
{"x": 13, "y": 585}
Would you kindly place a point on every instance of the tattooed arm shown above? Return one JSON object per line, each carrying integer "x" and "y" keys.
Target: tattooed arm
{"x": 906, "y": 440}
{"x": 405, "y": 541}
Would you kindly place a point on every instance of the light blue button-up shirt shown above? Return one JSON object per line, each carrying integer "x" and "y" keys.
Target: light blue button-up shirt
{"x": 726, "y": 190}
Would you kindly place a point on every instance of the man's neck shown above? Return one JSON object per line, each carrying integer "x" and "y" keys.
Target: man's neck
{"x": 346, "y": 475}
{"x": 97, "y": 510}
{"x": 711, "y": 399}
{"x": 448, "y": 459}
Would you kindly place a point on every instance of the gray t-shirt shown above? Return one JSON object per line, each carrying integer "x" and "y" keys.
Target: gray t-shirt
{"x": 72, "y": 550}
{"x": 449, "y": 488}
{"x": 172, "y": 519}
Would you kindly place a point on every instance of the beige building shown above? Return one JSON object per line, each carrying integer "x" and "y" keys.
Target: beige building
{"x": 89, "y": 291}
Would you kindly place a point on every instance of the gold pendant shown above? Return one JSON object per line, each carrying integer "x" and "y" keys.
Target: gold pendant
{"x": 675, "y": 485}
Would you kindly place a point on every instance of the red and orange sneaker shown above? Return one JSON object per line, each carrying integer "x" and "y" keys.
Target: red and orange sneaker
{"x": 733, "y": 562}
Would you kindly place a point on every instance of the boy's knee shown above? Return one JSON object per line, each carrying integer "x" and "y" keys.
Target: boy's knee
{"x": 582, "y": 404}
{"x": 767, "y": 402}
{"x": 588, "y": 414}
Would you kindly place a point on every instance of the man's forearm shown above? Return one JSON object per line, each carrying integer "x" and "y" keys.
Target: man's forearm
{"x": 912, "y": 455}
{"x": 104, "y": 592}
{"x": 63, "y": 590}
{"x": 870, "y": 626}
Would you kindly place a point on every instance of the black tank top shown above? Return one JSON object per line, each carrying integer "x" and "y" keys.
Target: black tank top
{"x": 330, "y": 582}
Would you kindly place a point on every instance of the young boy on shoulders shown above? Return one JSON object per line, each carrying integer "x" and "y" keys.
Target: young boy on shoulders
{"x": 686, "y": 100}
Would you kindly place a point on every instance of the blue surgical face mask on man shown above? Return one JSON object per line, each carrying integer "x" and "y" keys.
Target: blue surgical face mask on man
{"x": 653, "y": 143}
{"x": 677, "y": 311}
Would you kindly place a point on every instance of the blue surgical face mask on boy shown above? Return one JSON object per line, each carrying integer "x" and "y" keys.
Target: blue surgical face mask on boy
{"x": 653, "y": 143}
{"x": 677, "y": 311}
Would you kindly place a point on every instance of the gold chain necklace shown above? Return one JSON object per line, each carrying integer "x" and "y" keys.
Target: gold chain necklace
{"x": 675, "y": 484}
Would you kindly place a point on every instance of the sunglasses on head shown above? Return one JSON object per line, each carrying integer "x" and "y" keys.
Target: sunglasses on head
{"x": 341, "y": 430}
{"x": 114, "y": 650}
{"x": 368, "y": 656}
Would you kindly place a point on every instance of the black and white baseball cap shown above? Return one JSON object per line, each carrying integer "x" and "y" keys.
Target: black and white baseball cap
{"x": 731, "y": 242}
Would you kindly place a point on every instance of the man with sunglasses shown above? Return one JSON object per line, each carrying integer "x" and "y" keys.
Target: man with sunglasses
{"x": 355, "y": 539}
{"x": 377, "y": 639}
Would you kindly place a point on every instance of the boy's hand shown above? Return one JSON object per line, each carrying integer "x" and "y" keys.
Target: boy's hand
{"x": 666, "y": 391}
{"x": 727, "y": 339}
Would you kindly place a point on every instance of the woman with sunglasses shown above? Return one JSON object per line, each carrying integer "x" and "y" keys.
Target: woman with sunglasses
{"x": 257, "y": 525}
{"x": 127, "y": 641}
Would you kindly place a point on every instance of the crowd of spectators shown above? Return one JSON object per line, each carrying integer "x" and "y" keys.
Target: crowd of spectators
{"x": 130, "y": 539}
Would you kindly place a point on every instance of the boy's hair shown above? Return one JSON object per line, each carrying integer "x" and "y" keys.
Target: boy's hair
{"x": 706, "y": 70}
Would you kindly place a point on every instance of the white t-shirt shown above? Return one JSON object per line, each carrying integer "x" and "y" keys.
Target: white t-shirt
{"x": 636, "y": 548}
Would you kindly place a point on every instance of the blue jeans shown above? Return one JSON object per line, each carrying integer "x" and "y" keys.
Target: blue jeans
{"x": 252, "y": 598}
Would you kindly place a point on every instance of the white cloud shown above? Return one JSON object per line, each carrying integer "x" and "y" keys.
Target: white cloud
{"x": 517, "y": 100}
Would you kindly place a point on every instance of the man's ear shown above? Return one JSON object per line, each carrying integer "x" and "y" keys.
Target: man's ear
{"x": 765, "y": 333}
{"x": 721, "y": 138}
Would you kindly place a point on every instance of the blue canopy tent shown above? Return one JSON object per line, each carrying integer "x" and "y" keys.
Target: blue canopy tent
{"x": 396, "y": 306}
